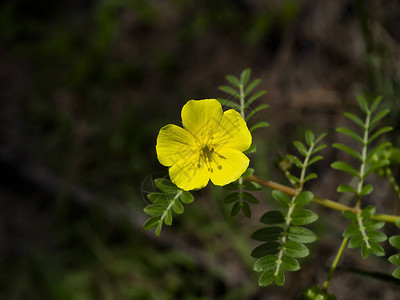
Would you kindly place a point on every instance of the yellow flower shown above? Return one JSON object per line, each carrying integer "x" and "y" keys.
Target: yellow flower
{"x": 209, "y": 146}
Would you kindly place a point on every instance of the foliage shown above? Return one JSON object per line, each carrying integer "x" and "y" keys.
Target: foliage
{"x": 284, "y": 235}
{"x": 163, "y": 204}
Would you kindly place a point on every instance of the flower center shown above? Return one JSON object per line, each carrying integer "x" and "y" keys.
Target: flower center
{"x": 208, "y": 155}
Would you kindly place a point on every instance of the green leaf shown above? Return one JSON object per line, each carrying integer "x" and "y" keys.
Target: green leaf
{"x": 379, "y": 132}
{"x": 314, "y": 160}
{"x": 340, "y": 165}
{"x": 375, "y": 166}
{"x": 319, "y": 148}
{"x": 310, "y": 176}
{"x": 350, "y": 215}
{"x": 186, "y": 197}
{"x": 250, "y": 198}
{"x": 247, "y": 173}
{"x": 377, "y": 249}
{"x": 246, "y": 209}
{"x": 300, "y": 146}
{"x": 356, "y": 241}
{"x": 232, "y": 198}
{"x": 295, "y": 249}
{"x": 229, "y": 103}
{"x": 367, "y": 189}
{"x": 168, "y": 217}
{"x": 166, "y": 186}
{"x": 178, "y": 207}
{"x": 290, "y": 263}
{"x": 281, "y": 197}
{"x": 268, "y": 234}
{"x": 251, "y": 186}
{"x": 293, "y": 178}
{"x": 376, "y": 103}
{"x": 320, "y": 138}
{"x": 295, "y": 160}
{"x": 348, "y": 150}
{"x": 266, "y": 249}
{"x": 309, "y": 136}
{"x": 379, "y": 116}
{"x": 235, "y": 209}
{"x": 303, "y": 199}
{"x": 256, "y": 110}
{"x": 368, "y": 212}
{"x": 395, "y": 259}
{"x": 232, "y": 186}
{"x": 233, "y": 80}
{"x": 265, "y": 263}
{"x": 365, "y": 251}
{"x": 301, "y": 235}
{"x": 151, "y": 223}
{"x": 280, "y": 278}
{"x": 350, "y": 133}
{"x": 154, "y": 210}
{"x": 251, "y": 86}
{"x": 376, "y": 236}
{"x": 259, "y": 125}
{"x": 352, "y": 230}
{"x": 396, "y": 273}
{"x": 303, "y": 217}
{"x": 363, "y": 104}
{"x": 395, "y": 241}
{"x": 266, "y": 278}
{"x": 371, "y": 225}
{"x": 244, "y": 76}
{"x": 272, "y": 217}
{"x": 397, "y": 223}
{"x": 254, "y": 98}
{"x": 158, "y": 229}
{"x": 345, "y": 188}
{"x": 229, "y": 90}
{"x": 160, "y": 199}
{"x": 251, "y": 149}
{"x": 355, "y": 119}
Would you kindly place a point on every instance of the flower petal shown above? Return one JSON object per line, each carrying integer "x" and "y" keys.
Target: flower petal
{"x": 232, "y": 164}
{"x": 232, "y": 132}
{"x": 187, "y": 174}
{"x": 201, "y": 118}
{"x": 174, "y": 144}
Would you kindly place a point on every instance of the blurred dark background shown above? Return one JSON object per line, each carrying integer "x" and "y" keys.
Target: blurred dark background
{"x": 86, "y": 85}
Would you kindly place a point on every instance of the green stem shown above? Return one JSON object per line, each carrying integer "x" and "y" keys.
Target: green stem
{"x": 241, "y": 101}
{"x": 321, "y": 201}
{"x": 334, "y": 264}
{"x": 396, "y": 187}
{"x": 363, "y": 160}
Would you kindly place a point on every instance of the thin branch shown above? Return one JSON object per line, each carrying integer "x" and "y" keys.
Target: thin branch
{"x": 321, "y": 201}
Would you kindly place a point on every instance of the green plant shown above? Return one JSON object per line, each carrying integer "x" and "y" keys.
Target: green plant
{"x": 283, "y": 234}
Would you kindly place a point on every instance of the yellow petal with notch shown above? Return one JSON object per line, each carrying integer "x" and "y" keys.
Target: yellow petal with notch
{"x": 201, "y": 118}
{"x": 232, "y": 132}
{"x": 228, "y": 166}
{"x": 187, "y": 174}
{"x": 174, "y": 144}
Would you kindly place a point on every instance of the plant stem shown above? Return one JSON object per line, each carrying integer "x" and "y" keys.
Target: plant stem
{"x": 321, "y": 201}
{"x": 242, "y": 101}
{"x": 363, "y": 161}
{"x": 334, "y": 264}
{"x": 393, "y": 181}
